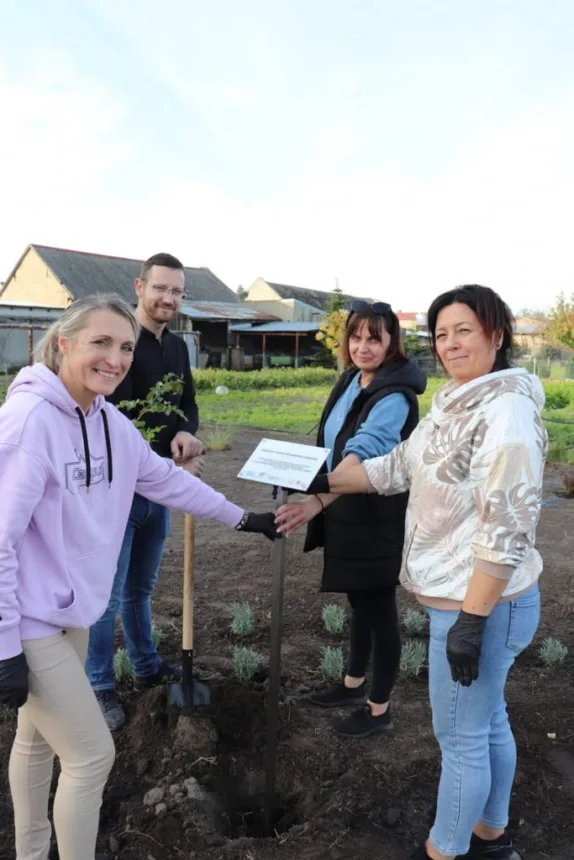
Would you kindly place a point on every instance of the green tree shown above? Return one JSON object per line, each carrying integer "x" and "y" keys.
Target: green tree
{"x": 336, "y": 300}
{"x": 560, "y": 328}
{"x": 241, "y": 293}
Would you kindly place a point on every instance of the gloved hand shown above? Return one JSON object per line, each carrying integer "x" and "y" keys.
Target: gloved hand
{"x": 319, "y": 484}
{"x": 263, "y": 524}
{"x": 463, "y": 646}
{"x": 14, "y": 681}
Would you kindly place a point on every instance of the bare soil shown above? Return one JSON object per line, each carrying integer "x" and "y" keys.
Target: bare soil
{"x": 372, "y": 798}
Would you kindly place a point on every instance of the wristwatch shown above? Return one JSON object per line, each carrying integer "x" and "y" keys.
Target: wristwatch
{"x": 242, "y": 522}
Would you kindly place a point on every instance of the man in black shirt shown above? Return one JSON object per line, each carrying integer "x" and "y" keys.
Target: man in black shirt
{"x": 160, "y": 290}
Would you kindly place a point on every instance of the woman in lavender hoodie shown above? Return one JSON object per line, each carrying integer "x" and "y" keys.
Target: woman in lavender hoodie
{"x": 69, "y": 466}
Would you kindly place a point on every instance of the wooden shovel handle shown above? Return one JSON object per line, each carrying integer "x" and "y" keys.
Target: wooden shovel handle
{"x": 188, "y": 569}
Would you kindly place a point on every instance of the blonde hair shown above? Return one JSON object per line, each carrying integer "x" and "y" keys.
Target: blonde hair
{"x": 74, "y": 319}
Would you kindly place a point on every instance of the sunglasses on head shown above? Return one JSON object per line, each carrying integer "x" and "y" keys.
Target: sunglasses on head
{"x": 379, "y": 308}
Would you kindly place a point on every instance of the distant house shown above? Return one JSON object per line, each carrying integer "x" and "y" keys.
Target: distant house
{"x": 54, "y": 277}
{"x": 291, "y": 304}
{"x": 529, "y": 335}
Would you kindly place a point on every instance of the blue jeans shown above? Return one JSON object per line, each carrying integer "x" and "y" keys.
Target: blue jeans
{"x": 135, "y": 580}
{"x": 471, "y": 723}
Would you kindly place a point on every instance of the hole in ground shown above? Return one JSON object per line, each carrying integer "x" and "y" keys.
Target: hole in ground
{"x": 245, "y": 816}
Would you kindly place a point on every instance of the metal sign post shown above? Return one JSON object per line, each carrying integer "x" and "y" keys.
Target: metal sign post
{"x": 274, "y": 674}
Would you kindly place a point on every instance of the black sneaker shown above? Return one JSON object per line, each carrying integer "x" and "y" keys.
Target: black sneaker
{"x": 362, "y": 723}
{"x": 338, "y": 697}
{"x": 111, "y": 708}
{"x": 496, "y": 849}
{"x": 166, "y": 673}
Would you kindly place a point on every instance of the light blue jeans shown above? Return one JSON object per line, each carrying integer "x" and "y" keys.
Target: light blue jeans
{"x": 471, "y": 723}
{"x": 134, "y": 583}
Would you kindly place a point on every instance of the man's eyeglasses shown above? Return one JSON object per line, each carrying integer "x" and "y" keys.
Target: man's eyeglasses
{"x": 379, "y": 308}
{"x": 162, "y": 290}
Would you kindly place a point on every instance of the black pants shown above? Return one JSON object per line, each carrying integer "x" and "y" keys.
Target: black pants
{"x": 375, "y": 629}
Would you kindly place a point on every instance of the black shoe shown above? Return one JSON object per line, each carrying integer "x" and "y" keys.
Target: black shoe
{"x": 338, "y": 697}
{"x": 165, "y": 673}
{"x": 362, "y": 723}
{"x": 111, "y": 708}
{"x": 496, "y": 849}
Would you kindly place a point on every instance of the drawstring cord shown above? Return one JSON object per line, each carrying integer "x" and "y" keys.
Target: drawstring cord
{"x": 87, "y": 457}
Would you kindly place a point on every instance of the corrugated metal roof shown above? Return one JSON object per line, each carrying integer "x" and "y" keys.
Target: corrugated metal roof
{"x": 280, "y": 327}
{"x": 223, "y": 311}
{"x": 22, "y": 314}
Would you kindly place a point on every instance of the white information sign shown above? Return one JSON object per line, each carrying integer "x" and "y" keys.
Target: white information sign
{"x": 284, "y": 464}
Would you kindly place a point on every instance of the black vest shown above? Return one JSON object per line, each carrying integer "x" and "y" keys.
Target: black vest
{"x": 363, "y": 534}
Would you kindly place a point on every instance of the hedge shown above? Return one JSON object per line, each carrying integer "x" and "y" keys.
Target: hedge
{"x": 208, "y": 380}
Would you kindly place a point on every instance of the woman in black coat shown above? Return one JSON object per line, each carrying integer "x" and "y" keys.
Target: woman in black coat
{"x": 372, "y": 408}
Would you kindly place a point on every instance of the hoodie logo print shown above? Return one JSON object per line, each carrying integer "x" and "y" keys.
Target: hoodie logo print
{"x": 76, "y": 472}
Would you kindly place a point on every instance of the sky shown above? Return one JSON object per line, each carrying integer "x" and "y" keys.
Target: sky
{"x": 399, "y": 147}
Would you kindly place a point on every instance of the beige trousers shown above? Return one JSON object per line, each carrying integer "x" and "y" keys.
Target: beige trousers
{"x": 63, "y": 717}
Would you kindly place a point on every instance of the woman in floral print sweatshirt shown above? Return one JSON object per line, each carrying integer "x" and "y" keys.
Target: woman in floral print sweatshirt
{"x": 474, "y": 468}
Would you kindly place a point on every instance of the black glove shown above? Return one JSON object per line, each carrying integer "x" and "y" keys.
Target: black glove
{"x": 263, "y": 524}
{"x": 14, "y": 681}
{"x": 463, "y": 646}
{"x": 319, "y": 484}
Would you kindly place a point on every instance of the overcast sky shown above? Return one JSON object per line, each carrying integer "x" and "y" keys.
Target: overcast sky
{"x": 402, "y": 147}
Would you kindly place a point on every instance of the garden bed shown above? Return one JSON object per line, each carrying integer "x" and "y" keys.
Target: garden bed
{"x": 368, "y": 799}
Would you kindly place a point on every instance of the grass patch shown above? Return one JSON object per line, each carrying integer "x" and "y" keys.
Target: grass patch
{"x": 218, "y": 438}
{"x": 246, "y": 663}
{"x": 241, "y": 619}
{"x": 413, "y": 658}
{"x": 334, "y": 618}
{"x": 332, "y": 663}
{"x": 552, "y": 652}
{"x": 298, "y": 409}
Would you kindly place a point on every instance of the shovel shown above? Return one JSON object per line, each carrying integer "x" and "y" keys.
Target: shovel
{"x": 190, "y": 692}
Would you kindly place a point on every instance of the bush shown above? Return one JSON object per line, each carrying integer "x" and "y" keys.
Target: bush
{"x": 569, "y": 370}
{"x": 332, "y": 663}
{"x": 242, "y": 619}
{"x": 557, "y": 400}
{"x": 413, "y": 657}
{"x": 246, "y": 663}
{"x": 208, "y": 380}
{"x": 123, "y": 669}
{"x": 552, "y": 652}
{"x": 544, "y": 370}
{"x": 334, "y": 618}
{"x": 415, "y": 622}
{"x": 218, "y": 438}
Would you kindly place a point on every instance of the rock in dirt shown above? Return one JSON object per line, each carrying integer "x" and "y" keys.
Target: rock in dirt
{"x": 194, "y": 790}
{"x": 113, "y": 844}
{"x": 161, "y": 809}
{"x": 153, "y": 796}
{"x": 194, "y": 735}
{"x": 392, "y": 816}
{"x": 142, "y": 766}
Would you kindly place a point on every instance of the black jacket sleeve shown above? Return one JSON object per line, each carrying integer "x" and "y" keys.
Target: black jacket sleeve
{"x": 187, "y": 403}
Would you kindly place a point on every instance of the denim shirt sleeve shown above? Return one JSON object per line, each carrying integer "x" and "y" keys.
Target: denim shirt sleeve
{"x": 381, "y": 432}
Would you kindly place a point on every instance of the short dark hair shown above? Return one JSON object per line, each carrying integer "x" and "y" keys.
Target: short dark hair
{"x": 167, "y": 260}
{"x": 376, "y": 323}
{"x": 493, "y": 313}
